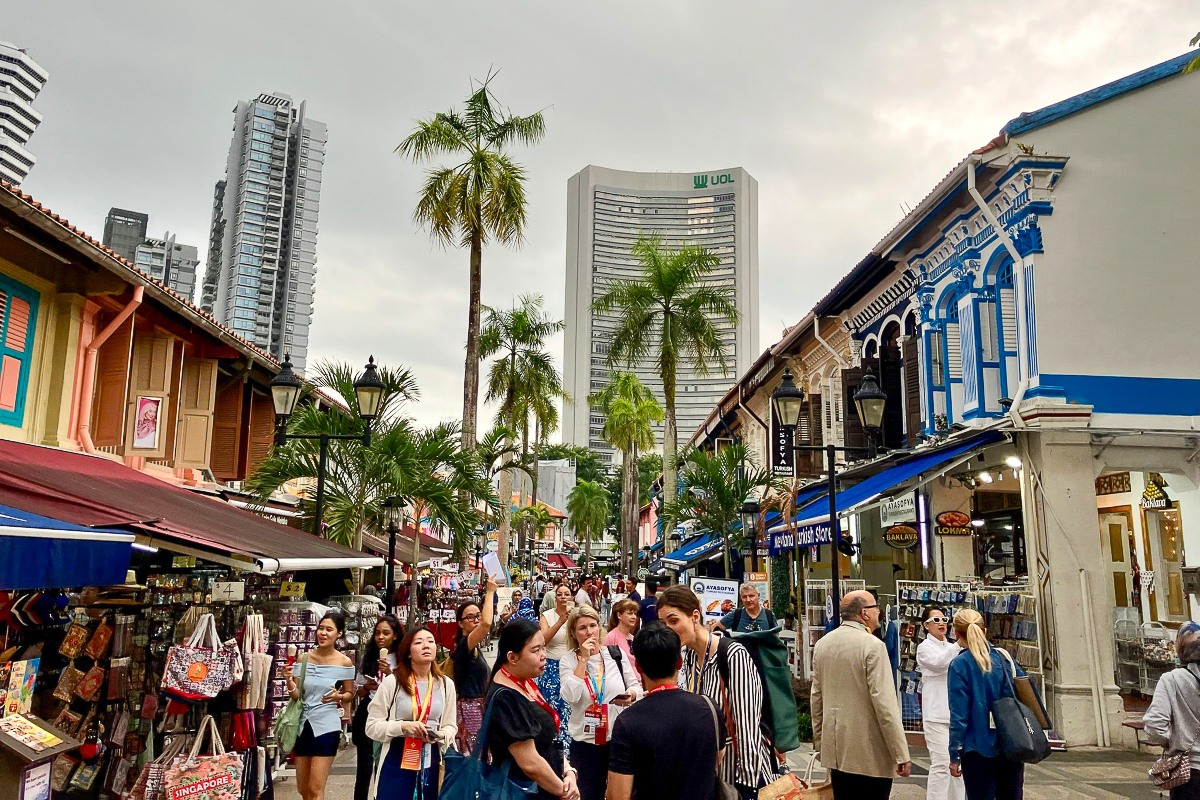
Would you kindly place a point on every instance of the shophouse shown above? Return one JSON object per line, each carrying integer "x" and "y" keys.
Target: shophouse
{"x": 1026, "y": 322}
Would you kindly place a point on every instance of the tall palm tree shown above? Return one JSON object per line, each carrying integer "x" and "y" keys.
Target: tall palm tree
{"x": 481, "y": 198}
{"x": 717, "y": 485}
{"x": 670, "y": 314}
{"x": 588, "y": 513}
{"x": 630, "y": 415}
{"x": 522, "y": 374}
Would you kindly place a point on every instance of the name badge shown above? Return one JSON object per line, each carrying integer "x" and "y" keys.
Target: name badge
{"x": 595, "y": 723}
{"x": 413, "y": 750}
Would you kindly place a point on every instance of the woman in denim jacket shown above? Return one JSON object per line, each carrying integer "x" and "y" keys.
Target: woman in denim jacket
{"x": 978, "y": 676}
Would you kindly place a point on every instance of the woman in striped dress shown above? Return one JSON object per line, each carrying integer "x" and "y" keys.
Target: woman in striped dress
{"x": 748, "y": 763}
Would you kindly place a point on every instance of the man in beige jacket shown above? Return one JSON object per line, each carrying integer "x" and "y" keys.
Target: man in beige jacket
{"x": 855, "y": 715}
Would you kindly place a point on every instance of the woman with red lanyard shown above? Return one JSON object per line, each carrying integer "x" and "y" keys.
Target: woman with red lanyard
{"x": 522, "y": 729}
{"x": 414, "y": 715}
{"x": 597, "y": 688}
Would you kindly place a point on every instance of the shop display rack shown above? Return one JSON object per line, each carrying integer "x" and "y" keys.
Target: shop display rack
{"x": 912, "y": 598}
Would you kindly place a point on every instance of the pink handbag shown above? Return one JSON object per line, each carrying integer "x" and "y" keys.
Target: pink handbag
{"x": 212, "y": 777}
{"x": 202, "y": 667}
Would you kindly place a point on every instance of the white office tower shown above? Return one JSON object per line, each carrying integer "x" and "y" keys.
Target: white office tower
{"x": 20, "y": 81}
{"x": 607, "y": 210}
{"x": 262, "y": 258}
{"x": 167, "y": 261}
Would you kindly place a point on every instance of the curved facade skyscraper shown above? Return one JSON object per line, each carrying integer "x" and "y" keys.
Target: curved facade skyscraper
{"x": 21, "y": 78}
{"x": 607, "y": 210}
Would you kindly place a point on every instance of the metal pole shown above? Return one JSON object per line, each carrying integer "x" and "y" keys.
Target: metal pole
{"x": 413, "y": 584}
{"x": 391, "y": 565}
{"x": 830, "y": 459}
{"x": 317, "y": 527}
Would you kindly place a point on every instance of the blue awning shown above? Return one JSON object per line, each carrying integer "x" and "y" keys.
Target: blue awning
{"x": 817, "y": 510}
{"x": 44, "y": 553}
{"x": 694, "y": 551}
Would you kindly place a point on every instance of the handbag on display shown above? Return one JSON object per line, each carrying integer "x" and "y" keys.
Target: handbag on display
{"x": 200, "y": 668}
{"x": 1018, "y": 731}
{"x": 213, "y": 777}
{"x": 467, "y": 777}
{"x": 255, "y": 685}
{"x": 287, "y": 727}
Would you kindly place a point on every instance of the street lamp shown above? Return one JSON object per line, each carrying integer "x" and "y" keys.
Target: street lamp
{"x": 750, "y": 511}
{"x": 369, "y": 392}
{"x": 394, "y": 509}
{"x": 870, "y": 400}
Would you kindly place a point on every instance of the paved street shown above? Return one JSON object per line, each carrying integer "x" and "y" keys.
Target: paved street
{"x": 1078, "y": 775}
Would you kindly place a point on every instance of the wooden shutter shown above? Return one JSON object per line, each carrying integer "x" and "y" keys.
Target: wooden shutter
{"x": 16, "y": 320}
{"x": 912, "y": 389}
{"x": 1008, "y": 319}
{"x": 892, "y": 383}
{"x": 149, "y": 396}
{"x": 804, "y": 435}
{"x": 197, "y": 404}
{"x": 225, "y": 460}
{"x": 853, "y": 434}
{"x": 262, "y": 431}
{"x": 815, "y": 411}
{"x": 112, "y": 387}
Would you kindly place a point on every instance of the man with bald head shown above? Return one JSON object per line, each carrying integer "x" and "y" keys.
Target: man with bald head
{"x": 856, "y": 722}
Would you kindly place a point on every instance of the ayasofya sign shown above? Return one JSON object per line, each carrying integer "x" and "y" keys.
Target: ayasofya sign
{"x": 703, "y": 181}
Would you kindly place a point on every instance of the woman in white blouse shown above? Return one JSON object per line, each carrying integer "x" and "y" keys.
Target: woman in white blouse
{"x": 596, "y": 689}
{"x": 934, "y": 655}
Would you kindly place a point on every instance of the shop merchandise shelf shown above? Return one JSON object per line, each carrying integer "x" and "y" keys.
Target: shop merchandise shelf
{"x": 912, "y": 598}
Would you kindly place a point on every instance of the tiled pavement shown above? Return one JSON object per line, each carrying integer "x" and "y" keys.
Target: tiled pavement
{"x": 1082, "y": 774}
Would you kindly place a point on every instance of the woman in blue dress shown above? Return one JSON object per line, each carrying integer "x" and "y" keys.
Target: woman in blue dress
{"x": 328, "y": 684}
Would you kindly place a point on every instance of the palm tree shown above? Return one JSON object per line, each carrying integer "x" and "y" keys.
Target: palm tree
{"x": 630, "y": 415}
{"x": 670, "y": 314}
{"x": 533, "y": 519}
{"x": 427, "y": 468}
{"x": 717, "y": 485}
{"x": 588, "y": 513}
{"x": 480, "y": 198}
{"x": 521, "y": 376}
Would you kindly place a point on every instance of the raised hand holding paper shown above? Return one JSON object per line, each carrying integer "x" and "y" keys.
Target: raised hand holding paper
{"x": 491, "y": 562}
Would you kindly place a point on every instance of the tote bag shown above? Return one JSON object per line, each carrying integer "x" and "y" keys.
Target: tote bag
{"x": 469, "y": 778}
{"x": 212, "y": 777}
{"x": 287, "y": 727}
{"x": 1018, "y": 731}
{"x": 202, "y": 667}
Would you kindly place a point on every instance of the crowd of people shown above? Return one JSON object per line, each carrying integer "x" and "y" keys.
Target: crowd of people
{"x": 604, "y": 695}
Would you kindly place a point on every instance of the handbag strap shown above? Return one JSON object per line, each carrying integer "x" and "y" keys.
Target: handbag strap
{"x": 812, "y": 760}
{"x": 716, "y": 722}
{"x": 303, "y": 669}
{"x": 481, "y": 742}
{"x": 209, "y": 724}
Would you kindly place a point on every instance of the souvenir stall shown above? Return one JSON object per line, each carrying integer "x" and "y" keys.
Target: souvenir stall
{"x": 913, "y": 597}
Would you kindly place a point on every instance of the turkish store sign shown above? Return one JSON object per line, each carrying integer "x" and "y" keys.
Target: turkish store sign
{"x": 785, "y": 541}
{"x": 897, "y": 510}
{"x": 702, "y": 181}
{"x": 783, "y": 457}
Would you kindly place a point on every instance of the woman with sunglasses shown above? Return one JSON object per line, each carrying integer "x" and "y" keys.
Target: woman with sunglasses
{"x": 934, "y": 655}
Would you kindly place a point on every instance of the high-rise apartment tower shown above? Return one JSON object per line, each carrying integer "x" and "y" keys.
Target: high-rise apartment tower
{"x": 262, "y": 257}
{"x": 607, "y": 210}
{"x": 21, "y": 78}
{"x": 124, "y": 231}
{"x": 172, "y": 263}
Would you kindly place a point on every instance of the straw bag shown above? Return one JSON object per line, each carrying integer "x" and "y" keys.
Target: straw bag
{"x": 789, "y": 787}
{"x": 212, "y": 777}
{"x": 202, "y": 667}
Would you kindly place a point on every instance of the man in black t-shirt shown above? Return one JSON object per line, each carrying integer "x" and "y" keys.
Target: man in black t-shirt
{"x": 664, "y": 746}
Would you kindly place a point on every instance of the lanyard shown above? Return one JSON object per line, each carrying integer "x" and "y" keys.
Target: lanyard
{"x": 698, "y": 669}
{"x": 533, "y": 693}
{"x": 665, "y": 687}
{"x": 421, "y": 714}
{"x": 597, "y": 692}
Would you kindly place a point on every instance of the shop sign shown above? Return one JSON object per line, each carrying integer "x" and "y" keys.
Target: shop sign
{"x": 759, "y": 580}
{"x": 1117, "y": 483}
{"x": 900, "y": 537}
{"x": 291, "y": 589}
{"x": 643, "y": 573}
{"x": 1155, "y": 497}
{"x": 898, "y": 510}
{"x": 783, "y": 457}
{"x": 717, "y": 597}
{"x": 784, "y": 541}
{"x": 183, "y": 562}
{"x": 702, "y": 181}
{"x": 229, "y": 591}
{"x": 437, "y": 563}
{"x": 952, "y": 523}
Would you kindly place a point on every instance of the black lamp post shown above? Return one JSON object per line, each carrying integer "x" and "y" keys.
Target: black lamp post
{"x": 869, "y": 400}
{"x": 395, "y": 516}
{"x": 480, "y": 536}
{"x": 750, "y": 511}
{"x": 285, "y": 391}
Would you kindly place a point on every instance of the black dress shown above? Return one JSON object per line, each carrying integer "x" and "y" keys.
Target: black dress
{"x": 515, "y": 718}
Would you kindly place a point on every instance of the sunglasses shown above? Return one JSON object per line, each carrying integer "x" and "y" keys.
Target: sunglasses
{"x": 937, "y": 620}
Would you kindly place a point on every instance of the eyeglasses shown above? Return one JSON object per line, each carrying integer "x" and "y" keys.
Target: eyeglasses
{"x": 470, "y": 617}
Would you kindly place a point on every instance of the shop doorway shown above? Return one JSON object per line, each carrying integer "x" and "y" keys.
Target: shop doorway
{"x": 1116, "y": 537}
{"x": 999, "y": 537}
{"x": 1162, "y": 530}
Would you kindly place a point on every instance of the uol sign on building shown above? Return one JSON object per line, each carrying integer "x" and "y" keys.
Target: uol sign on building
{"x": 702, "y": 181}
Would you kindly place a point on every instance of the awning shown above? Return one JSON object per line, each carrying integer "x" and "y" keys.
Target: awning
{"x": 560, "y": 561}
{"x": 44, "y": 553}
{"x": 693, "y": 552}
{"x": 816, "y": 510}
{"x": 95, "y": 492}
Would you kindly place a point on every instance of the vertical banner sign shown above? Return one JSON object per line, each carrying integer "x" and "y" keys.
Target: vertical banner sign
{"x": 783, "y": 457}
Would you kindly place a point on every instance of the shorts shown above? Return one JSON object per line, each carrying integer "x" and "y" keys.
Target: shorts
{"x": 325, "y": 745}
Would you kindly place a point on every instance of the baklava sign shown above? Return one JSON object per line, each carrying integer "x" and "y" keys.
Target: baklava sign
{"x": 900, "y": 537}
{"x": 952, "y": 523}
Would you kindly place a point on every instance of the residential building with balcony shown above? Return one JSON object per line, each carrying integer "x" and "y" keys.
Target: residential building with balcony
{"x": 21, "y": 79}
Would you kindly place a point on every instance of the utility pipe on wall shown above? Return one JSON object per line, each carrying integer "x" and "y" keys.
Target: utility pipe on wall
{"x": 1089, "y": 634}
{"x": 89, "y": 368}
{"x": 1011, "y": 247}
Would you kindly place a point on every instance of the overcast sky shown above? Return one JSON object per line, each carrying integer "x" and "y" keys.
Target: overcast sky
{"x": 842, "y": 111}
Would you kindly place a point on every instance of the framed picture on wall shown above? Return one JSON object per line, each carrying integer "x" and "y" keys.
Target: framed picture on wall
{"x": 147, "y": 422}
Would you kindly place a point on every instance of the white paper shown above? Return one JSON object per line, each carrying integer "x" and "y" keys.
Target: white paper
{"x": 491, "y": 562}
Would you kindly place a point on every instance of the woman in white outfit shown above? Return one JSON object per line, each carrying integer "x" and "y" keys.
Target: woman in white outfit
{"x": 933, "y": 660}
